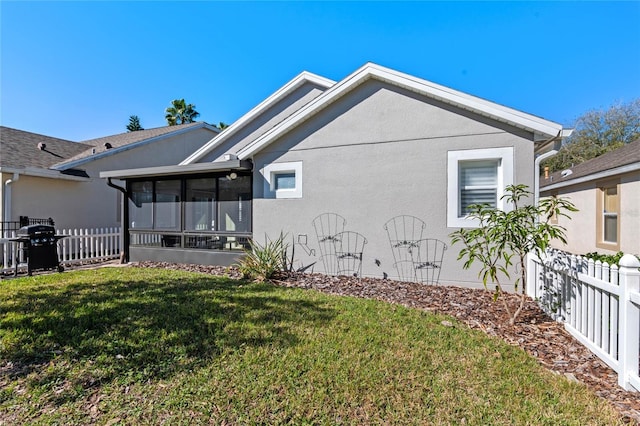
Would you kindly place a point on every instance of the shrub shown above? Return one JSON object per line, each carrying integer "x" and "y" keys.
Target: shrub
{"x": 263, "y": 262}
{"x": 504, "y": 238}
{"x": 611, "y": 259}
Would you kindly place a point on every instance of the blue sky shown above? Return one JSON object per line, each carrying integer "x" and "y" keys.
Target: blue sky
{"x": 78, "y": 70}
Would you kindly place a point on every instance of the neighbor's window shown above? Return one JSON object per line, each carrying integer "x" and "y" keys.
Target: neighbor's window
{"x": 610, "y": 214}
{"x": 476, "y": 176}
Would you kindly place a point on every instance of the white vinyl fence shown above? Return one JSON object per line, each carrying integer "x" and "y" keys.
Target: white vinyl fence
{"x": 598, "y": 304}
{"x": 78, "y": 246}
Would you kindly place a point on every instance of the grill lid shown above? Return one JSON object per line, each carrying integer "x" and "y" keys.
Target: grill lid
{"x": 33, "y": 230}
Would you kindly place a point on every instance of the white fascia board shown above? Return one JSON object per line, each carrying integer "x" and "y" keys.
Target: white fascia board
{"x": 595, "y": 176}
{"x": 43, "y": 173}
{"x": 295, "y": 83}
{"x": 415, "y": 84}
{"x": 113, "y": 151}
{"x": 177, "y": 170}
{"x": 469, "y": 102}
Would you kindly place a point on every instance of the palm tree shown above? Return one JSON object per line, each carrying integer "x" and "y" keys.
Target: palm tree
{"x": 180, "y": 113}
{"x": 134, "y": 124}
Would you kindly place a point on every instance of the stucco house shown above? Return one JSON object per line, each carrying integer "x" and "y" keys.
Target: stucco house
{"x": 606, "y": 190}
{"x": 46, "y": 177}
{"x": 389, "y": 159}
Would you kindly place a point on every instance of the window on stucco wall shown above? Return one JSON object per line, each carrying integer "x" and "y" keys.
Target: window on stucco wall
{"x": 476, "y": 176}
{"x": 608, "y": 219}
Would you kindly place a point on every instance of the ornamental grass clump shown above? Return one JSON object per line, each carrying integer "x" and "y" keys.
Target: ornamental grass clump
{"x": 263, "y": 262}
{"x": 504, "y": 238}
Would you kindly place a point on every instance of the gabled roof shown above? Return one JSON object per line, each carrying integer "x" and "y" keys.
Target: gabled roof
{"x": 19, "y": 149}
{"x": 295, "y": 83}
{"x": 125, "y": 141}
{"x": 622, "y": 160}
{"x": 542, "y": 129}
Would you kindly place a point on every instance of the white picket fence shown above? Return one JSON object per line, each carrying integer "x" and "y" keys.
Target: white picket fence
{"x": 598, "y": 304}
{"x": 78, "y": 246}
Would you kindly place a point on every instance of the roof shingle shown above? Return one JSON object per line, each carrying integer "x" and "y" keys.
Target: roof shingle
{"x": 20, "y": 149}
{"x": 628, "y": 154}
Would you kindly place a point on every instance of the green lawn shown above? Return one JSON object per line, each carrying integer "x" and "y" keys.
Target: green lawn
{"x": 145, "y": 346}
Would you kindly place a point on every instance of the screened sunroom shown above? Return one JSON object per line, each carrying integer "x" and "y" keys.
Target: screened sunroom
{"x": 198, "y": 213}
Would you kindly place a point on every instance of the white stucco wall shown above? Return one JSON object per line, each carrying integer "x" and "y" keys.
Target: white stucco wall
{"x": 581, "y": 228}
{"x": 379, "y": 153}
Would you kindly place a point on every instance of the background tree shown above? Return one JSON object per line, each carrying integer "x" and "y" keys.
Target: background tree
{"x": 598, "y": 132}
{"x": 134, "y": 124}
{"x": 504, "y": 239}
{"x": 221, "y": 125}
{"x": 180, "y": 113}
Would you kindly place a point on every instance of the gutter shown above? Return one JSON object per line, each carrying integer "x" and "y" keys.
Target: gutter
{"x": 43, "y": 173}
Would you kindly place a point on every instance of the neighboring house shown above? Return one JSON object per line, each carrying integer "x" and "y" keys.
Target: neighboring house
{"x": 45, "y": 177}
{"x": 318, "y": 157}
{"x": 606, "y": 190}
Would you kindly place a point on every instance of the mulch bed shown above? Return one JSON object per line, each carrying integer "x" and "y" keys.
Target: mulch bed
{"x": 536, "y": 333}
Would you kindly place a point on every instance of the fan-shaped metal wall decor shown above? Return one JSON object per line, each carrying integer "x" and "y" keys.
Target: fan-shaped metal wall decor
{"x": 327, "y": 225}
{"x": 417, "y": 259}
{"x": 349, "y": 247}
{"x": 404, "y": 232}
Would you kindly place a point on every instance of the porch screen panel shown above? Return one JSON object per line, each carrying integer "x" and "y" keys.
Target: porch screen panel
{"x": 167, "y": 205}
{"x": 200, "y": 208}
{"x": 141, "y": 205}
{"x": 234, "y": 204}
{"x": 478, "y": 184}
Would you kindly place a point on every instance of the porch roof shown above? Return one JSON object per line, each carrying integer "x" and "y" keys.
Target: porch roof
{"x": 217, "y": 166}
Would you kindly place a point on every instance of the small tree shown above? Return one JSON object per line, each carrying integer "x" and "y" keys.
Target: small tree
{"x": 134, "y": 124}
{"x": 504, "y": 238}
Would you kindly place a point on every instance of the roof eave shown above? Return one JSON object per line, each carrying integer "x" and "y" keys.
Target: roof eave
{"x": 594, "y": 176}
{"x": 292, "y": 85}
{"x": 180, "y": 169}
{"x": 43, "y": 173}
{"x": 489, "y": 109}
{"x": 73, "y": 164}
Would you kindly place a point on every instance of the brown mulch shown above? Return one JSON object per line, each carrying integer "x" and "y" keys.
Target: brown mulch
{"x": 536, "y": 333}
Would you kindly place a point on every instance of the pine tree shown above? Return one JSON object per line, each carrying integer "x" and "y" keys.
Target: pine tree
{"x": 134, "y": 124}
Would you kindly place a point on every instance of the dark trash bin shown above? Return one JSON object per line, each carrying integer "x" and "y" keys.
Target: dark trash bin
{"x": 39, "y": 245}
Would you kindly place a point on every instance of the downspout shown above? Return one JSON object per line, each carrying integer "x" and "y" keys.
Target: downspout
{"x": 536, "y": 179}
{"x": 6, "y": 214}
{"x": 124, "y": 236}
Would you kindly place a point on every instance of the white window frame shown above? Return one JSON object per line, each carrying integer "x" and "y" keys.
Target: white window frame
{"x": 505, "y": 159}
{"x": 270, "y": 171}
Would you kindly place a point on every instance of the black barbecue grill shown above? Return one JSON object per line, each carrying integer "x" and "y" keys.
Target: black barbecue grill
{"x": 39, "y": 246}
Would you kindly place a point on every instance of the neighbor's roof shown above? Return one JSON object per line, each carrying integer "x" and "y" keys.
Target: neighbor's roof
{"x": 622, "y": 160}
{"x": 129, "y": 140}
{"x": 19, "y": 149}
{"x": 543, "y": 130}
